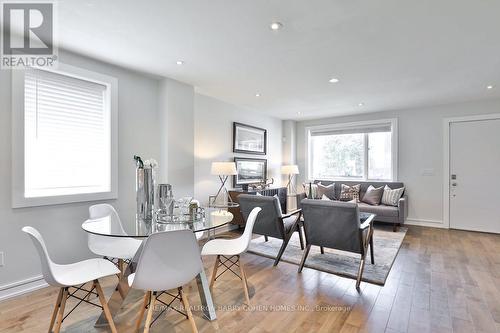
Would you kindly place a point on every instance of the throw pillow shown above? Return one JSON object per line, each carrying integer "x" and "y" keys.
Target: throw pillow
{"x": 324, "y": 197}
{"x": 373, "y": 195}
{"x": 326, "y": 190}
{"x": 314, "y": 189}
{"x": 349, "y": 193}
{"x": 391, "y": 197}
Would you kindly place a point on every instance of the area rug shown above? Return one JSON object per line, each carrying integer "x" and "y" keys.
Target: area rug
{"x": 386, "y": 244}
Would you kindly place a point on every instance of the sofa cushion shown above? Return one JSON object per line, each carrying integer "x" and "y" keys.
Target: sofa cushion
{"x": 380, "y": 210}
{"x": 326, "y": 190}
{"x": 349, "y": 193}
{"x": 373, "y": 195}
{"x": 391, "y": 197}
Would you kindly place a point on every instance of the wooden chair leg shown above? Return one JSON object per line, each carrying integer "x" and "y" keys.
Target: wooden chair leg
{"x": 187, "y": 307}
{"x": 304, "y": 256}
{"x": 360, "y": 272}
{"x": 121, "y": 267}
{"x": 214, "y": 272}
{"x": 56, "y": 309}
{"x": 244, "y": 280}
{"x": 282, "y": 249}
{"x": 140, "y": 316}
{"x": 105, "y": 307}
{"x": 301, "y": 237}
{"x": 60, "y": 315}
{"x": 266, "y": 238}
{"x": 322, "y": 249}
{"x": 149, "y": 317}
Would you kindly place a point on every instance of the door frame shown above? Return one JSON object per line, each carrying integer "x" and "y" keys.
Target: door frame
{"x": 446, "y": 157}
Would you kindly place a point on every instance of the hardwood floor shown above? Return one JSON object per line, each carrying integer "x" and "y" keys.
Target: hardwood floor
{"x": 442, "y": 281}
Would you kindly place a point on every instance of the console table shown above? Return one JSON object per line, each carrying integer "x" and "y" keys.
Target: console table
{"x": 238, "y": 218}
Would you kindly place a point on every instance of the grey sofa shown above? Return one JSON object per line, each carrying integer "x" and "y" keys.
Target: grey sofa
{"x": 387, "y": 214}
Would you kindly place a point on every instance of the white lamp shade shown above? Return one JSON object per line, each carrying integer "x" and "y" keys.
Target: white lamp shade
{"x": 290, "y": 169}
{"x": 223, "y": 168}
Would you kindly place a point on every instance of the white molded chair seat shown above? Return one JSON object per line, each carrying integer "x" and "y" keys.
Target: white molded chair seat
{"x": 230, "y": 248}
{"x": 72, "y": 275}
{"x": 113, "y": 247}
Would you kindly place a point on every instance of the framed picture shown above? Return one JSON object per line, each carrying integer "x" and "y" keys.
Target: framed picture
{"x": 250, "y": 171}
{"x": 249, "y": 139}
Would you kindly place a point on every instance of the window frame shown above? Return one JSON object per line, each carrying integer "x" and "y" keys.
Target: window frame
{"x": 18, "y": 145}
{"x": 339, "y": 126}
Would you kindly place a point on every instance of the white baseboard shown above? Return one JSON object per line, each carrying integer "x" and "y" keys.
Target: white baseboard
{"x": 426, "y": 223}
{"x": 22, "y": 287}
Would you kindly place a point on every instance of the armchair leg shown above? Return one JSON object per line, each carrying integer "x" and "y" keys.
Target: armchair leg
{"x": 266, "y": 238}
{"x": 282, "y": 249}
{"x": 304, "y": 256}
{"x": 372, "y": 254}
{"x": 395, "y": 226}
{"x": 322, "y": 249}
{"x": 360, "y": 272}
{"x": 301, "y": 237}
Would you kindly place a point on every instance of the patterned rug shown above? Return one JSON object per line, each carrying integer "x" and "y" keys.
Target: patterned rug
{"x": 386, "y": 245}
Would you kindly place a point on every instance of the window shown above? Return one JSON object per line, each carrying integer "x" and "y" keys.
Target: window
{"x": 357, "y": 151}
{"x": 69, "y": 134}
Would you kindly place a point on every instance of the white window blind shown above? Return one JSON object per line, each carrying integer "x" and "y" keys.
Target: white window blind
{"x": 67, "y": 135}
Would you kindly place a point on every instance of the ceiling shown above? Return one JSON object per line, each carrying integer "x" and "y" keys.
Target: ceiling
{"x": 391, "y": 54}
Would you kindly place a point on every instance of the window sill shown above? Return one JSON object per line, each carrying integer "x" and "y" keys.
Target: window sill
{"x": 22, "y": 202}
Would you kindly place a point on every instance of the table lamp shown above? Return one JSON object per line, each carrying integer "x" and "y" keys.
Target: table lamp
{"x": 223, "y": 170}
{"x": 290, "y": 170}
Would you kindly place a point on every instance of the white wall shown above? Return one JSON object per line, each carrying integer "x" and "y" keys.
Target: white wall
{"x": 213, "y": 134}
{"x": 61, "y": 225}
{"x": 420, "y": 147}
{"x": 176, "y": 112}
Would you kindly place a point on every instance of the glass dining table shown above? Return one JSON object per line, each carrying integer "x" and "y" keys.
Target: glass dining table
{"x": 113, "y": 227}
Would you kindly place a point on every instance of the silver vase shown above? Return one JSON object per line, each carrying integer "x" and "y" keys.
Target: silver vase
{"x": 145, "y": 185}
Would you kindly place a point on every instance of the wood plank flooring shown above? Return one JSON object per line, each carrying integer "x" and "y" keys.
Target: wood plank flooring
{"x": 442, "y": 281}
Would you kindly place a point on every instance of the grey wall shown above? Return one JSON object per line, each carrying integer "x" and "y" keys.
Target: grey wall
{"x": 61, "y": 225}
{"x": 420, "y": 147}
{"x": 213, "y": 128}
{"x": 176, "y": 118}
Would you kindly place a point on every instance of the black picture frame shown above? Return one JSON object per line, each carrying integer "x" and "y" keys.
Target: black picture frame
{"x": 239, "y": 142}
{"x": 260, "y": 167}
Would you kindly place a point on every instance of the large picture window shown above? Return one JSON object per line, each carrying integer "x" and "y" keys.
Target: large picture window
{"x": 67, "y": 150}
{"x": 357, "y": 151}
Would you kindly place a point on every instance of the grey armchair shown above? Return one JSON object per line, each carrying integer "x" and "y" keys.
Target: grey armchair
{"x": 270, "y": 222}
{"x": 337, "y": 225}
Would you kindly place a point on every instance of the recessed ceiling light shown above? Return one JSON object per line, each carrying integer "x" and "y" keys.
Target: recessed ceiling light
{"x": 179, "y": 62}
{"x": 489, "y": 87}
{"x": 276, "y": 25}
{"x": 257, "y": 95}
{"x": 299, "y": 113}
{"x": 333, "y": 80}
{"x": 361, "y": 104}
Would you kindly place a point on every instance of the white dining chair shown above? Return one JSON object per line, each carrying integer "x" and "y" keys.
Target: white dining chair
{"x": 73, "y": 276}
{"x": 168, "y": 261}
{"x": 228, "y": 252}
{"x": 119, "y": 249}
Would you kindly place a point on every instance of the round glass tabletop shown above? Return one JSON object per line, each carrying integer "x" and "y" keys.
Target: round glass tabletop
{"x": 112, "y": 226}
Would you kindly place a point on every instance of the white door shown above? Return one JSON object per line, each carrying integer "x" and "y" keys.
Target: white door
{"x": 475, "y": 175}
